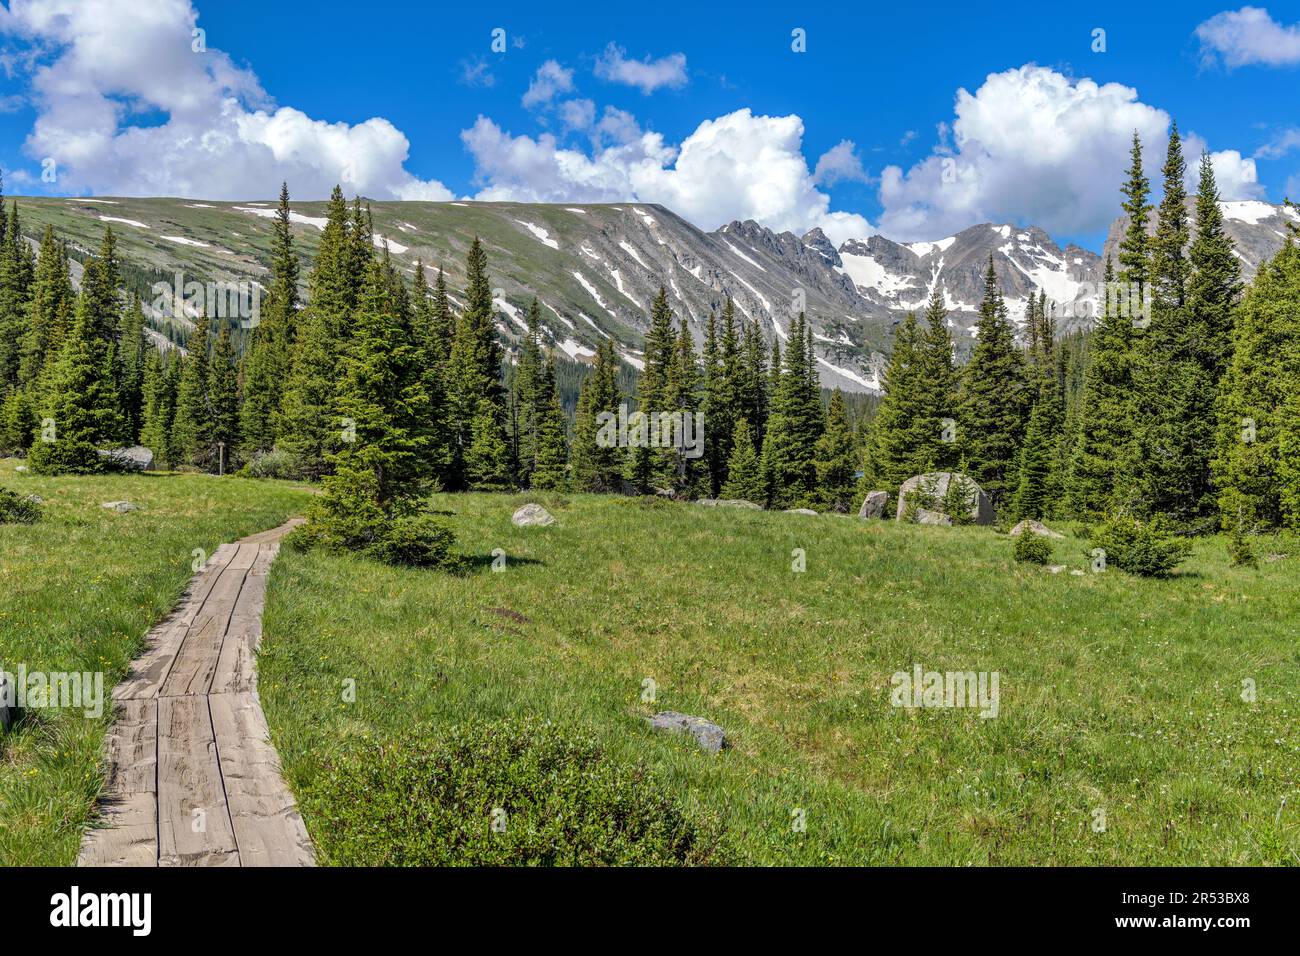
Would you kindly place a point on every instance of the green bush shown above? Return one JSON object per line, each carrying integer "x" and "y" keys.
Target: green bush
{"x": 16, "y": 509}
{"x": 418, "y": 540}
{"x": 1139, "y": 547}
{"x": 1032, "y": 548}
{"x": 502, "y": 793}
{"x": 1240, "y": 552}
{"x": 276, "y": 463}
{"x": 958, "y": 500}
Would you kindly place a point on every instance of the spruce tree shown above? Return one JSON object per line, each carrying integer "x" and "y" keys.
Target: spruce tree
{"x": 306, "y": 425}
{"x": 131, "y": 356}
{"x": 270, "y": 352}
{"x": 1253, "y": 433}
{"x": 745, "y": 479}
{"x": 995, "y": 399}
{"x": 191, "y": 432}
{"x": 477, "y": 407}
{"x": 793, "y": 428}
{"x": 893, "y": 453}
{"x": 1033, "y": 493}
{"x": 1134, "y": 248}
{"x": 933, "y": 425}
{"x": 159, "y": 409}
{"x": 50, "y": 311}
{"x": 15, "y": 295}
{"x": 596, "y": 459}
{"x": 834, "y": 458}
{"x": 526, "y": 397}
{"x": 648, "y": 466}
{"x": 549, "y": 472}
{"x": 223, "y": 400}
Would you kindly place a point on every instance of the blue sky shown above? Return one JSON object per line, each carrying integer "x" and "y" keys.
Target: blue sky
{"x": 115, "y": 89}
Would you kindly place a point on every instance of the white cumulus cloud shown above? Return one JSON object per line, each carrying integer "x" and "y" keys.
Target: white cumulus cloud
{"x": 737, "y": 166}
{"x": 99, "y": 66}
{"x": 1032, "y": 145}
{"x": 840, "y": 163}
{"x": 1248, "y": 36}
{"x": 550, "y": 79}
{"x": 646, "y": 75}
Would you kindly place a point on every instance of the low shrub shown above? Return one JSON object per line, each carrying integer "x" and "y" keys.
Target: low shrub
{"x": 17, "y": 509}
{"x": 418, "y": 540}
{"x": 1031, "y": 548}
{"x": 500, "y": 793}
{"x": 1139, "y": 547}
{"x": 1241, "y": 554}
{"x": 276, "y": 463}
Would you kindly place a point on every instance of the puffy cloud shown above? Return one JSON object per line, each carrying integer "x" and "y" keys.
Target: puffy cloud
{"x": 1282, "y": 143}
{"x": 577, "y": 114}
{"x": 550, "y": 79}
{"x": 737, "y": 166}
{"x": 1035, "y": 146}
{"x": 646, "y": 75}
{"x": 1246, "y": 36}
{"x": 840, "y": 163}
{"x": 100, "y": 65}
{"x": 1234, "y": 175}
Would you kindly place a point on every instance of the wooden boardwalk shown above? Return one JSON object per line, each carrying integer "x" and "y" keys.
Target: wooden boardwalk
{"x": 193, "y": 779}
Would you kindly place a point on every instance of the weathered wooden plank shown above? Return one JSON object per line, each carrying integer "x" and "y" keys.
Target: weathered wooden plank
{"x": 234, "y": 671}
{"x": 129, "y": 835}
{"x": 150, "y": 670}
{"x": 193, "y": 821}
{"x": 196, "y": 661}
{"x": 273, "y": 534}
{"x": 132, "y": 748}
{"x": 268, "y": 827}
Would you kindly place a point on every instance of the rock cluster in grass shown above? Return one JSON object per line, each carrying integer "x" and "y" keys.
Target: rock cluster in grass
{"x": 121, "y": 507}
{"x": 135, "y": 458}
{"x": 707, "y": 734}
{"x": 728, "y": 503}
{"x": 873, "y": 505}
{"x": 935, "y": 485}
{"x": 1034, "y": 527}
{"x": 532, "y": 515}
{"x": 800, "y": 511}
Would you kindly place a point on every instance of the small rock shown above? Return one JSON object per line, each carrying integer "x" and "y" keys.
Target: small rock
{"x": 135, "y": 458}
{"x": 1056, "y": 568}
{"x": 707, "y": 734}
{"x": 1276, "y": 556}
{"x": 932, "y": 517}
{"x": 800, "y": 511}
{"x": 532, "y": 515}
{"x": 1037, "y": 527}
{"x": 729, "y": 503}
{"x": 664, "y": 492}
{"x": 21, "y": 468}
{"x": 121, "y": 507}
{"x": 1077, "y": 572}
{"x": 873, "y": 505}
{"x": 36, "y": 499}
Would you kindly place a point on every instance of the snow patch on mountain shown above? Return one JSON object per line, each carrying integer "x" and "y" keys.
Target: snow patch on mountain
{"x": 542, "y": 235}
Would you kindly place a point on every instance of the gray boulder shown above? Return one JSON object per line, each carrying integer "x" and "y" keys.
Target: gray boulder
{"x": 707, "y": 734}
{"x": 800, "y": 511}
{"x": 873, "y": 505}
{"x": 1035, "y": 527}
{"x": 21, "y": 468}
{"x": 532, "y": 516}
{"x": 728, "y": 503}
{"x": 121, "y": 507}
{"x": 938, "y": 482}
{"x": 135, "y": 458}
{"x": 932, "y": 517}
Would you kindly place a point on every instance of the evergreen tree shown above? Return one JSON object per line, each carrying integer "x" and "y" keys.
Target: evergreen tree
{"x": 1103, "y": 444}
{"x": 745, "y": 479}
{"x": 933, "y": 424}
{"x": 1133, "y": 250}
{"x": 306, "y": 425}
{"x": 1253, "y": 433}
{"x": 893, "y": 452}
{"x": 270, "y": 352}
{"x": 223, "y": 400}
{"x": 1033, "y": 494}
{"x": 834, "y": 458}
{"x": 159, "y": 390}
{"x": 549, "y": 467}
{"x": 526, "y": 398}
{"x": 793, "y": 427}
{"x": 15, "y": 295}
{"x": 17, "y": 422}
{"x": 646, "y": 465}
{"x": 191, "y": 432}
{"x": 131, "y": 357}
{"x": 597, "y": 461}
{"x": 681, "y": 398}
{"x": 50, "y": 311}
{"x": 79, "y": 406}
{"x": 477, "y": 407}
{"x": 995, "y": 399}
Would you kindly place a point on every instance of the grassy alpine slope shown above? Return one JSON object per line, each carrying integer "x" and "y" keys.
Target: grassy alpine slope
{"x": 1118, "y": 694}
{"x": 78, "y": 592}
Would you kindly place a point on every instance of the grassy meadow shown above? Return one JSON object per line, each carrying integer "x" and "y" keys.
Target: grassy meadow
{"x": 1122, "y": 735}
{"x": 78, "y": 592}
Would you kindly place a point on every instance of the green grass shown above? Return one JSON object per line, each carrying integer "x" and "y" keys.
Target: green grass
{"x": 78, "y": 592}
{"x": 1117, "y": 693}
